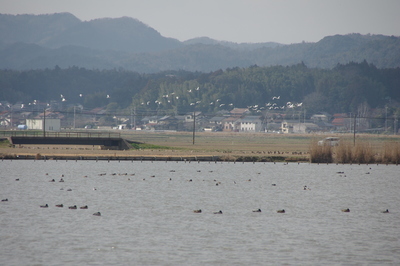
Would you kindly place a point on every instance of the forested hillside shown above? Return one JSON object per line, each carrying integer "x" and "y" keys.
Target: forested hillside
{"x": 342, "y": 89}
{"x": 44, "y": 41}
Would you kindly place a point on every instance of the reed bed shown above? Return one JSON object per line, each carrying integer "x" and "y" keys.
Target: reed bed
{"x": 362, "y": 153}
{"x": 344, "y": 152}
{"x": 320, "y": 154}
{"x": 391, "y": 153}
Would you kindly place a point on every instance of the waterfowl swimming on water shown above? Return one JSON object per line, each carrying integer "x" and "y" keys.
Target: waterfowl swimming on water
{"x": 61, "y": 180}
{"x": 259, "y": 210}
{"x": 69, "y": 189}
{"x": 197, "y": 211}
{"x": 84, "y": 207}
{"x": 97, "y": 214}
{"x": 44, "y": 206}
{"x": 346, "y": 210}
{"x": 60, "y": 205}
{"x": 72, "y": 207}
{"x": 280, "y": 211}
{"x": 4, "y": 200}
{"x": 220, "y": 212}
{"x": 387, "y": 211}
{"x": 52, "y": 180}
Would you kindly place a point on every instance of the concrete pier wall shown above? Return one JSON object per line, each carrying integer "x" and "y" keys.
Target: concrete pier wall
{"x": 110, "y": 143}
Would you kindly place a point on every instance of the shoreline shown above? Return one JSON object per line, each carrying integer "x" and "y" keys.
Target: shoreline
{"x": 183, "y": 158}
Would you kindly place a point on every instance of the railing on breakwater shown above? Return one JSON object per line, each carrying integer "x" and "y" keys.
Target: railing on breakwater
{"x": 80, "y": 134}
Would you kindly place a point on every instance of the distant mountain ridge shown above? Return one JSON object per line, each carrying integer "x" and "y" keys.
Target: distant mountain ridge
{"x": 64, "y": 29}
{"x": 44, "y": 41}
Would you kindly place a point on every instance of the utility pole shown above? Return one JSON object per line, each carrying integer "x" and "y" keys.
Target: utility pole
{"x": 134, "y": 117}
{"x": 131, "y": 118}
{"x": 44, "y": 123}
{"x": 74, "y": 116}
{"x": 350, "y": 123}
{"x": 386, "y": 119}
{"x": 194, "y": 124}
{"x": 354, "y": 138}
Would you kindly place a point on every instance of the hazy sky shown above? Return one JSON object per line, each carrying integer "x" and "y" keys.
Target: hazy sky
{"x": 283, "y": 21}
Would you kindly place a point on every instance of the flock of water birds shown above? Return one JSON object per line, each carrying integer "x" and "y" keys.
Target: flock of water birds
{"x": 74, "y": 207}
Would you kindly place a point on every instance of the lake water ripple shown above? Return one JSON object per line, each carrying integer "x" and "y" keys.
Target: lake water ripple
{"x": 147, "y": 213}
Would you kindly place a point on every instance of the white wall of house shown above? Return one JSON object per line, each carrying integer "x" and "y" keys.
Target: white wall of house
{"x": 51, "y": 124}
{"x": 287, "y": 127}
{"x": 298, "y": 127}
{"x": 251, "y": 126}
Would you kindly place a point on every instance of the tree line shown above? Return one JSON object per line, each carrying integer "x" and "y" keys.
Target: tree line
{"x": 342, "y": 89}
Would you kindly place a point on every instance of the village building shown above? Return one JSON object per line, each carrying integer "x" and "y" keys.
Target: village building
{"x": 251, "y": 124}
{"x": 231, "y": 124}
{"x": 47, "y": 124}
{"x": 296, "y": 127}
{"x": 239, "y": 112}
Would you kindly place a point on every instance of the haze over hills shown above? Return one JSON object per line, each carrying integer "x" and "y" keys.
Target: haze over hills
{"x": 44, "y": 41}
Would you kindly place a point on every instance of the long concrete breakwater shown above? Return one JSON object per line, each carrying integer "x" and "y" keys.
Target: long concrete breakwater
{"x": 166, "y": 158}
{"x": 108, "y": 143}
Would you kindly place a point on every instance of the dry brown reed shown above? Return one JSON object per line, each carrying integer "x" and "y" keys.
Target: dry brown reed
{"x": 362, "y": 153}
{"x": 391, "y": 153}
{"x": 320, "y": 153}
{"x": 343, "y": 152}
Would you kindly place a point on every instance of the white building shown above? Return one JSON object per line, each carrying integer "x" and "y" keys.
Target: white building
{"x": 50, "y": 124}
{"x": 296, "y": 127}
{"x": 250, "y": 124}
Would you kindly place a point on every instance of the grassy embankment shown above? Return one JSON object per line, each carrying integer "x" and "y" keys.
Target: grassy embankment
{"x": 231, "y": 146}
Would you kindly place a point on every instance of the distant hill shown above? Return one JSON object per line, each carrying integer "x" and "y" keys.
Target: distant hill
{"x": 44, "y": 41}
{"x": 34, "y": 29}
{"x": 63, "y": 29}
{"x": 233, "y": 45}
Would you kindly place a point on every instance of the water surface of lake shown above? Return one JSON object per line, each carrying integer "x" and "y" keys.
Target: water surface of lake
{"x": 148, "y": 219}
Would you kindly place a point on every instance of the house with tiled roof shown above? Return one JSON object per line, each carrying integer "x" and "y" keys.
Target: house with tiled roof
{"x": 292, "y": 126}
{"x": 239, "y": 112}
{"x": 340, "y": 121}
{"x": 231, "y": 124}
